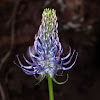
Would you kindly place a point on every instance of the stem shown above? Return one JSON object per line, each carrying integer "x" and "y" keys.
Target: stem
{"x": 51, "y": 96}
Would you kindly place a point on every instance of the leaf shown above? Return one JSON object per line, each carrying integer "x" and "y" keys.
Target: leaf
{"x": 60, "y": 83}
{"x": 40, "y": 80}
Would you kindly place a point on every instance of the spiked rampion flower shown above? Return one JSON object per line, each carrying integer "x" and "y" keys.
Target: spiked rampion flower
{"x": 48, "y": 50}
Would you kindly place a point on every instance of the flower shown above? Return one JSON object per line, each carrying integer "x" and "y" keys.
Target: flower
{"x": 48, "y": 49}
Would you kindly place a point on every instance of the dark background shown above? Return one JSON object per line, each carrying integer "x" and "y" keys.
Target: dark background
{"x": 79, "y": 27}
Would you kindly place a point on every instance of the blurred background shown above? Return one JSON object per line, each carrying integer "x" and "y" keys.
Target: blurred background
{"x": 79, "y": 27}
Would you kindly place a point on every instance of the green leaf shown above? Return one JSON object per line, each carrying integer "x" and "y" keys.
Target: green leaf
{"x": 40, "y": 80}
{"x": 60, "y": 83}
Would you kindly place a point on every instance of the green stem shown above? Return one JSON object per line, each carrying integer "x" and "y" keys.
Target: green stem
{"x": 51, "y": 96}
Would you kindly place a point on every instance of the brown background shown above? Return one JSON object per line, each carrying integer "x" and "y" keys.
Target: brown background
{"x": 79, "y": 27}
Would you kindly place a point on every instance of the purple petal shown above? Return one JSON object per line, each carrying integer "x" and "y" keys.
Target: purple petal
{"x": 28, "y": 72}
{"x": 35, "y": 48}
{"x": 57, "y": 60}
{"x": 60, "y": 47}
{"x": 67, "y": 55}
{"x": 42, "y": 42}
{"x": 54, "y": 47}
{"x": 33, "y": 56}
{"x": 51, "y": 44}
{"x": 22, "y": 66}
{"x": 39, "y": 45}
{"x": 69, "y": 59}
{"x": 28, "y": 61}
{"x": 72, "y": 63}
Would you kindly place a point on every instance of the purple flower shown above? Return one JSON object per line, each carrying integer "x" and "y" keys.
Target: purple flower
{"x": 48, "y": 50}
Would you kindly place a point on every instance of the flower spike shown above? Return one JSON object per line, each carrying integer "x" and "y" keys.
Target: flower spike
{"x": 47, "y": 60}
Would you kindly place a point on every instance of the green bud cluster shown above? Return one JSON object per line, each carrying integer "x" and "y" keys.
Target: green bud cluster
{"x": 49, "y": 23}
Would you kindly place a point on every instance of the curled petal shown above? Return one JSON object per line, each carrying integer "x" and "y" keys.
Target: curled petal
{"x": 61, "y": 51}
{"x": 22, "y": 66}
{"x": 54, "y": 47}
{"x": 28, "y": 67}
{"x": 55, "y": 50}
{"x": 57, "y": 60}
{"x": 41, "y": 41}
{"x": 72, "y": 63}
{"x": 60, "y": 47}
{"x": 33, "y": 56}
{"x": 28, "y": 61}
{"x": 25, "y": 70}
{"x": 51, "y": 44}
{"x": 40, "y": 50}
{"x": 69, "y": 59}
{"x": 28, "y": 72}
{"x": 68, "y": 54}
{"x": 49, "y": 40}
{"x": 45, "y": 44}
{"x": 40, "y": 46}
{"x": 35, "y": 48}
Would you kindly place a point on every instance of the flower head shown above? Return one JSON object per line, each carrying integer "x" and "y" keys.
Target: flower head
{"x": 48, "y": 49}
